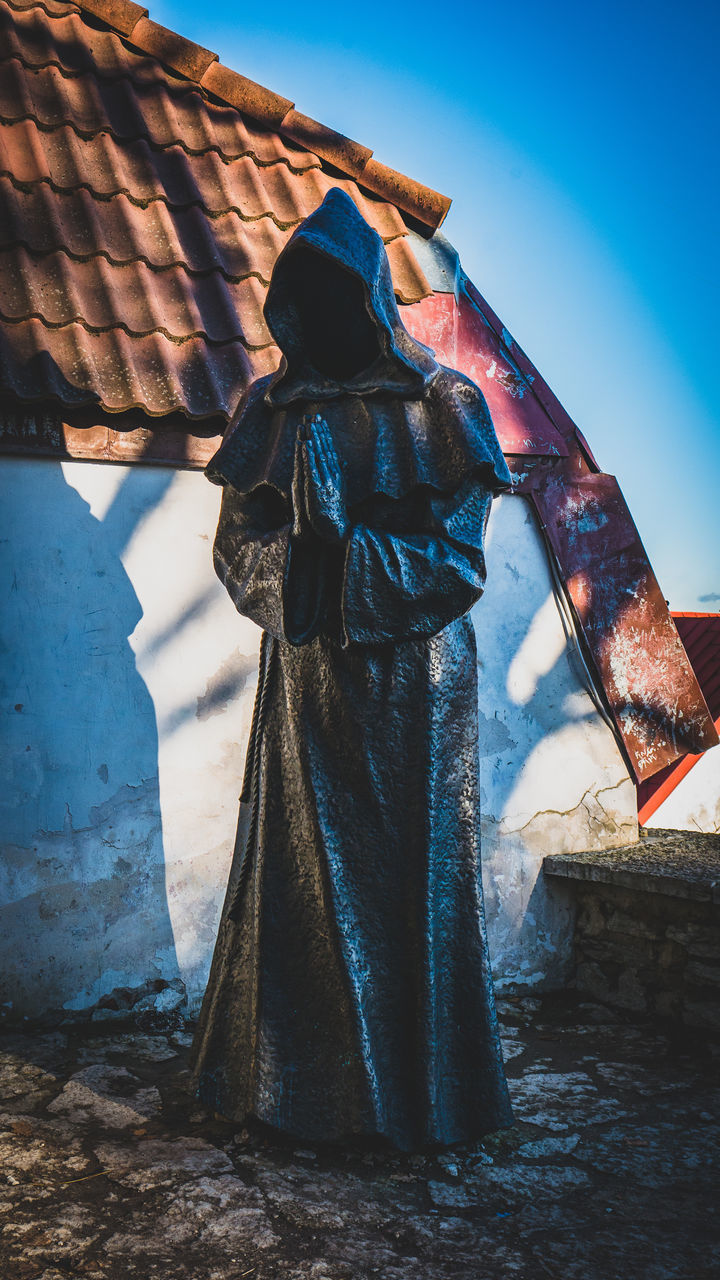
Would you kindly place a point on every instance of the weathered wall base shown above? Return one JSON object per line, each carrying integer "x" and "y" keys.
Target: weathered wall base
{"x": 647, "y": 933}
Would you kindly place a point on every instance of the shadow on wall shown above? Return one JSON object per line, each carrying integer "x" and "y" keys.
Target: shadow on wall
{"x": 552, "y": 776}
{"x": 82, "y": 882}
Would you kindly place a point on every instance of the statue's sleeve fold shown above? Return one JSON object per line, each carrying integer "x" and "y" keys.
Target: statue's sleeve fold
{"x": 272, "y": 578}
{"x": 400, "y": 585}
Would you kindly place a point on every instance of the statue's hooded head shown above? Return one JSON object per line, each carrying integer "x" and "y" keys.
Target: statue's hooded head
{"x": 331, "y": 309}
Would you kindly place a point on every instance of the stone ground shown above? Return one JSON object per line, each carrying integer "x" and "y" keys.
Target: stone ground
{"x": 108, "y": 1171}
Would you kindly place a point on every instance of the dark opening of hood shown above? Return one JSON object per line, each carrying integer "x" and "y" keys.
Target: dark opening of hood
{"x": 331, "y": 309}
{"x": 326, "y": 317}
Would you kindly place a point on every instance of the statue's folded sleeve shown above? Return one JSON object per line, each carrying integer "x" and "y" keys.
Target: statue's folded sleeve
{"x": 382, "y": 587}
{"x": 397, "y": 586}
{"x": 278, "y": 581}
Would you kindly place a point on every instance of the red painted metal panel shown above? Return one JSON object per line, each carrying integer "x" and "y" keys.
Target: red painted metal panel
{"x": 648, "y": 683}
{"x": 463, "y": 338}
{"x": 654, "y": 791}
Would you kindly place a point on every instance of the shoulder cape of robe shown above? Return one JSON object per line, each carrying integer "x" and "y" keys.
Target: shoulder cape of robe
{"x": 388, "y": 445}
{"x": 350, "y": 992}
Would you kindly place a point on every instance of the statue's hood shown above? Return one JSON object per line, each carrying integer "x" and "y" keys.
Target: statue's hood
{"x": 399, "y": 420}
{"x": 337, "y": 234}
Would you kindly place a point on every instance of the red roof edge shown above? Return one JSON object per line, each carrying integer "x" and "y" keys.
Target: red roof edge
{"x": 654, "y": 791}
{"x": 702, "y": 645}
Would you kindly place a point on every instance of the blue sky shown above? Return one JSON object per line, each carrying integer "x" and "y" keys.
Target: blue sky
{"x": 579, "y": 143}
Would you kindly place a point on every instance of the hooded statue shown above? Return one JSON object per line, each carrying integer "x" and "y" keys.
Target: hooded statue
{"x": 350, "y": 992}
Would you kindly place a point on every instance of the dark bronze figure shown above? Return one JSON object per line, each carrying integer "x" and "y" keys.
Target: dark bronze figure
{"x": 350, "y": 991}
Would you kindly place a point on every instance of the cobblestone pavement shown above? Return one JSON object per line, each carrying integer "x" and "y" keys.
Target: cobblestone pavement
{"x": 109, "y": 1171}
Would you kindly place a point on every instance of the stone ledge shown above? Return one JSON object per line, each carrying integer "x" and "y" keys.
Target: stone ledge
{"x": 678, "y": 864}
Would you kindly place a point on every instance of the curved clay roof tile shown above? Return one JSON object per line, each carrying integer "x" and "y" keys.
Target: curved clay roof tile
{"x": 202, "y": 66}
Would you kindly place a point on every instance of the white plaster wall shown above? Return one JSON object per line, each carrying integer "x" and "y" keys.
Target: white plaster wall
{"x": 694, "y": 805}
{"x": 552, "y": 776}
{"x": 133, "y": 678}
{"x": 125, "y": 699}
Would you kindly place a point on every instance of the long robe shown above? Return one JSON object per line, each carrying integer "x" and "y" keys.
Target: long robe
{"x": 350, "y": 992}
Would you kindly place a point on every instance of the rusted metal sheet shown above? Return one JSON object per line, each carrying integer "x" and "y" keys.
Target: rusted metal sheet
{"x": 648, "y": 681}
{"x": 462, "y": 337}
{"x": 642, "y": 669}
{"x": 546, "y": 397}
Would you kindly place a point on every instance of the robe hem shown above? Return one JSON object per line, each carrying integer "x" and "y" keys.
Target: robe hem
{"x": 349, "y": 1136}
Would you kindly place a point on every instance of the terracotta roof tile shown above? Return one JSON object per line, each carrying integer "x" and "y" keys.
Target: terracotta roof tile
{"x": 262, "y": 104}
{"x": 68, "y": 41}
{"x": 100, "y": 295}
{"x": 123, "y": 15}
{"x": 198, "y": 63}
{"x": 404, "y": 267}
{"x": 44, "y": 220}
{"x": 172, "y": 50}
{"x": 53, "y": 8}
{"x": 68, "y": 162}
{"x": 140, "y": 219}
{"x": 109, "y": 88}
{"x": 348, "y": 156}
{"x": 420, "y": 202}
{"x": 119, "y": 372}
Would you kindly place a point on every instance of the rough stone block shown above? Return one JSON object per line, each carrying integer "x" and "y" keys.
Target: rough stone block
{"x": 698, "y": 940}
{"x": 648, "y": 952}
{"x": 591, "y": 917}
{"x": 628, "y": 949}
{"x": 632, "y": 992}
{"x": 671, "y": 955}
{"x": 625, "y": 922}
{"x": 703, "y": 974}
{"x": 702, "y": 1013}
{"x": 668, "y": 1004}
{"x": 590, "y": 977}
